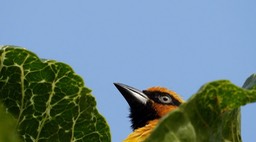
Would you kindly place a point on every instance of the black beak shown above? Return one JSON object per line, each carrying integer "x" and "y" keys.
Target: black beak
{"x": 140, "y": 106}
{"x": 132, "y": 95}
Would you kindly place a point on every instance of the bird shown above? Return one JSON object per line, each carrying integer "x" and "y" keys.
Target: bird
{"x": 147, "y": 107}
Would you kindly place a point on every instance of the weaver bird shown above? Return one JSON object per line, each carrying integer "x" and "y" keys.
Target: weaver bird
{"x": 146, "y": 108}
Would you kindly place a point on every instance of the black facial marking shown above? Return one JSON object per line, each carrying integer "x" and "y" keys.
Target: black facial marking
{"x": 140, "y": 116}
{"x": 156, "y": 95}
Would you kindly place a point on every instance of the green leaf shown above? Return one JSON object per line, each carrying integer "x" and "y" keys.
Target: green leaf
{"x": 47, "y": 100}
{"x": 212, "y": 115}
{"x": 7, "y": 126}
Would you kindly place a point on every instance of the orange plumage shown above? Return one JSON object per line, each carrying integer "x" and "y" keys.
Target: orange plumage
{"x": 142, "y": 133}
{"x": 147, "y": 107}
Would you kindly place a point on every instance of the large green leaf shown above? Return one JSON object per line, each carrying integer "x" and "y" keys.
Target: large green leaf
{"x": 47, "y": 100}
{"x": 211, "y": 115}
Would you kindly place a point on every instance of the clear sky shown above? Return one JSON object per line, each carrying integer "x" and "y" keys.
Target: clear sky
{"x": 172, "y": 43}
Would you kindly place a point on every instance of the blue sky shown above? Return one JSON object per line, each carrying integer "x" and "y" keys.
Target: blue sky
{"x": 176, "y": 44}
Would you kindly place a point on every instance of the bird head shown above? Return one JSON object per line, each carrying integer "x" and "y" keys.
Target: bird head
{"x": 149, "y": 104}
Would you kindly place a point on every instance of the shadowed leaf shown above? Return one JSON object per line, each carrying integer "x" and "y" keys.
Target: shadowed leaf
{"x": 212, "y": 114}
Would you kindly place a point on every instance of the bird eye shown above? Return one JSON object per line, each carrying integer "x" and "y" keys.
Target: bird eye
{"x": 165, "y": 99}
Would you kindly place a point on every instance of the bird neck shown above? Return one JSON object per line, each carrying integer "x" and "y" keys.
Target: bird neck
{"x": 140, "y": 134}
{"x": 141, "y": 116}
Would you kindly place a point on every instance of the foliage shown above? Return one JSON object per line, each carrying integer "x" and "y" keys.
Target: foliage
{"x": 212, "y": 114}
{"x": 44, "y": 100}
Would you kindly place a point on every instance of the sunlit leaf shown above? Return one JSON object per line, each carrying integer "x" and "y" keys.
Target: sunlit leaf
{"x": 7, "y": 126}
{"x": 47, "y": 100}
